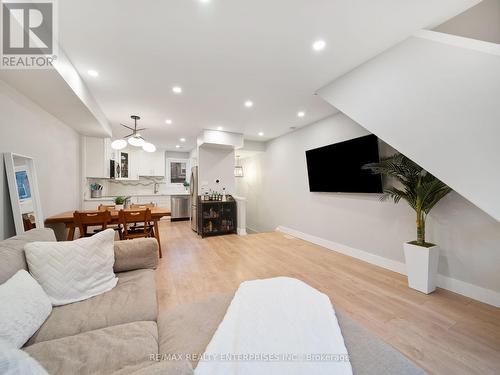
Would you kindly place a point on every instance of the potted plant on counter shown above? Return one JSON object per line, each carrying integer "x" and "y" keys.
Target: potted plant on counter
{"x": 422, "y": 191}
{"x": 119, "y": 202}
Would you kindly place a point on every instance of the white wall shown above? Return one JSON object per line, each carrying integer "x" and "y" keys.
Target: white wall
{"x": 27, "y": 129}
{"x": 276, "y": 186}
{"x": 216, "y": 163}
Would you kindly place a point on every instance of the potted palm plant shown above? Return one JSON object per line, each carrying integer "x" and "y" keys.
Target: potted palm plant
{"x": 422, "y": 191}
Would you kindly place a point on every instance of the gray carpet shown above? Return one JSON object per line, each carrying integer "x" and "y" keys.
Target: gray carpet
{"x": 370, "y": 355}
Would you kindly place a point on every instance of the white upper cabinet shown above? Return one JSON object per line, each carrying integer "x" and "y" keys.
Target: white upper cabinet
{"x": 152, "y": 164}
{"x": 128, "y": 160}
{"x": 97, "y": 155}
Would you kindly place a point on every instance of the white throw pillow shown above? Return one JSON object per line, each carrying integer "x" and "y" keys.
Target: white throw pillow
{"x": 24, "y": 306}
{"x": 75, "y": 270}
{"x": 17, "y": 362}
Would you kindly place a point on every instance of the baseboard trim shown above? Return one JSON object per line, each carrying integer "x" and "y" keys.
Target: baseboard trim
{"x": 478, "y": 293}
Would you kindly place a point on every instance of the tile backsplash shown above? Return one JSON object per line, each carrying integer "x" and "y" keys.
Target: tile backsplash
{"x": 144, "y": 186}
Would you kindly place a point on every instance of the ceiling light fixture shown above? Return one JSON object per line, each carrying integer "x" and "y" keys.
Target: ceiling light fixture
{"x": 238, "y": 169}
{"x": 261, "y": 134}
{"x": 301, "y": 114}
{"x": 119, "y": 144}
{"x": 148, "y": 147}
{"x": 249, "y": 104}
{"x": 183, "y": 139}
{"x": 177, "y": 146}
{"x": 319, "y": 45}
{"x": 168, "y": 122}
{"x": 177, "y": 89}
{"x": 93, "y": 73}
{"x": 134, "y": 139}
{"x": 219, "y": 128}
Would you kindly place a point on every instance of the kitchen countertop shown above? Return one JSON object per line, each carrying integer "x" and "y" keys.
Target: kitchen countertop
{"x": 112, "y": 197}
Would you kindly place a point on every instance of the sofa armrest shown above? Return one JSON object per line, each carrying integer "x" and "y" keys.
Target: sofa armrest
{"x": 136, "y": 254}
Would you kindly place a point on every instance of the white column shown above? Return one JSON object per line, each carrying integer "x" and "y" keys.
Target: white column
{"x": 241, "y": 215}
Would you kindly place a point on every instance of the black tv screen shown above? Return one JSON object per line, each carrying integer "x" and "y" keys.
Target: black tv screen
{"x": 337, "y": 167}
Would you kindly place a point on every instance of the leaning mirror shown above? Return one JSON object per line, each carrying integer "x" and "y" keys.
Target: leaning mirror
{"x": 23, "y": 189}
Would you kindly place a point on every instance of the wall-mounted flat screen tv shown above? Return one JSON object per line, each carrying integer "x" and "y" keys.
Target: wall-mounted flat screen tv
{"x": 337, "y": 167}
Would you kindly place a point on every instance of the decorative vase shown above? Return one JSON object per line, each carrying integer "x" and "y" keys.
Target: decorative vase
{"x": 119, "y": 207}
{"x": 421, "y": 267}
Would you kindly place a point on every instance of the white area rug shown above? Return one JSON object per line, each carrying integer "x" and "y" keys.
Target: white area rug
{"x": 277, "y": 326}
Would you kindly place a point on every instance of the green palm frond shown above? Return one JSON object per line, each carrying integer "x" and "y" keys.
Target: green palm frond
{"x": 420, "y": 189}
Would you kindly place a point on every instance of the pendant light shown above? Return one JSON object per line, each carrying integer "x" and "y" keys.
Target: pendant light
{"x": 238, "y": 169}
{"x": 134, "y": 139}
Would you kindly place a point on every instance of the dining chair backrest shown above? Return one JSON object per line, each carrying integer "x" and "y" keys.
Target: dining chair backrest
{"x": 142, "y": 206}
{"x": 130, "y": 216}
{"x": 85, "y": 219}
{"x": 106, "y": 207}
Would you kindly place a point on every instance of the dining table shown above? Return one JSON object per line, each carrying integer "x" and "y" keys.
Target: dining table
{"x": 67, "y": 219}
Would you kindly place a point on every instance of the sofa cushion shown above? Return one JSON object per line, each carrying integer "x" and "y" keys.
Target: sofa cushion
{"x": 140, "y": 253}
{"x": 133, "y": 299}
{"x": 25, "y": 306}
{"x": 102, "y": 351}
{"x": 187, "y": 329}
{"x": 14, "y": 361}
{"x": 12, "y": 257}
{"x": 73, "y": 271}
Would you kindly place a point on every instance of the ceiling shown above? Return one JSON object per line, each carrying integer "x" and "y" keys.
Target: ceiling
{"x": 225, "y": 52}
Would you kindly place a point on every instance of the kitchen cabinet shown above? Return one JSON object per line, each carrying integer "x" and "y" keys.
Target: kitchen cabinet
{"x": 97, "y": 153}
{"x": 128, "y": 160}
{"x": 152, "y": 164}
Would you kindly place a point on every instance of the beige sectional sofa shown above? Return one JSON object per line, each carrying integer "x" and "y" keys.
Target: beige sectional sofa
{"x": 120, "y": 332}
{"x": 113, "y": 333}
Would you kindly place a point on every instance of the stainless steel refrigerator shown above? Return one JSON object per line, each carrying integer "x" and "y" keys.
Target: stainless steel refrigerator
{"x": 193, "y": 185}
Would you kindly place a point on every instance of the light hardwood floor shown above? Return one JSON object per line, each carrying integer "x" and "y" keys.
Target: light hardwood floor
{"x": 444, "y": 333}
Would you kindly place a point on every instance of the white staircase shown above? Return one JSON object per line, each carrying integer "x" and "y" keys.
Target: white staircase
{"x": 436, "y": 98}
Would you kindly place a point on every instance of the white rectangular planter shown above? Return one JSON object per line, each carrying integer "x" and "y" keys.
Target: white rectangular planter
{"x": 421, "y": 267}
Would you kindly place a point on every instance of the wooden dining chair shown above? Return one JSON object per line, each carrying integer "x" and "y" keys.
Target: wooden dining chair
{"x": 84, "y": 220}
{"x": 116, "y": 227}
{"x": 106, "y": 207}
{"x": 130, "y": 219}
{"x": 143, "y": 207}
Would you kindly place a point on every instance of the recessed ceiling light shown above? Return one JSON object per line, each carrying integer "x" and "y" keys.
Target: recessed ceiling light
{"x": 249, "y": 104}
{"x": 168, "y": 121}
{"x": 319, "y": 45}
{"x": 182, "y": 139}
{"x": 93, "y": 73}
{"x": 177, "y": 146}
{"x": 301, "y": 114}
{"x": 219, "y": 128}
{"x": 261, "y": 134}
{"x": 177, "y": 89}
{"x": 204, "y": 1}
